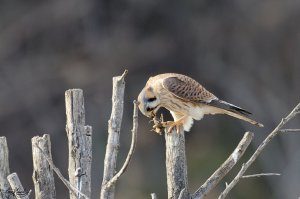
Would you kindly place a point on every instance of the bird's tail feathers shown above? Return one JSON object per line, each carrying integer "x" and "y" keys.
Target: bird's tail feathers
{"x": 233, "y": 110}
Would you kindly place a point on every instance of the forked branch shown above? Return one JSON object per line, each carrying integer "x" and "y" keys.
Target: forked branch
{"x": 132, "y": 147}
{"x": 113, "y": 140}
{"x": 110, "y": 176}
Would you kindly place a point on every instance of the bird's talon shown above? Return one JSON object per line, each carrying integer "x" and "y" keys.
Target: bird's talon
{"x": 171, "y": 125}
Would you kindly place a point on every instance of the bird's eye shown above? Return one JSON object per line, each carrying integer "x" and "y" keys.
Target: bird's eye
{"x": 151, "y": 99}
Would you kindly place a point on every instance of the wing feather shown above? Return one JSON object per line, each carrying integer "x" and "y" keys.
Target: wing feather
{"x": 187, "y": 89}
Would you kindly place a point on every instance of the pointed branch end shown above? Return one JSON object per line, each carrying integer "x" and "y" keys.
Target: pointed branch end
{"x": 124, "y": 74}
{"x": 153, "y": 196}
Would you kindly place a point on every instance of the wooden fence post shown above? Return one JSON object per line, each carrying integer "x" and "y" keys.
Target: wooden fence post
{"x": 42, "y": 173}
{"x": 80, "y": 144}
{"x": 4, "y": 169}
{"x": 176, "y": 166}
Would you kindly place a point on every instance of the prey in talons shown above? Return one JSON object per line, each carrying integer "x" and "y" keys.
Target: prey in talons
{"x": 160, "y": 125}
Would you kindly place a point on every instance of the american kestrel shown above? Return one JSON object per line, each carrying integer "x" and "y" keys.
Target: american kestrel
{"x": 186, "y": 99}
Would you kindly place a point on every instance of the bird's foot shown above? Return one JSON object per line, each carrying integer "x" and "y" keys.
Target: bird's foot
{"x": 171, "y": 124}
{"x": 159, "y": 125}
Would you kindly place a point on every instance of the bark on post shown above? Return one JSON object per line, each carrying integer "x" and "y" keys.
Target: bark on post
{"x": 80, "y": 144}
{"x": 114, "y": 126}
{"x": 176, "y": 166}
{"x": 4, "y": 169}
{"x": 17, "y": 187}
{"x": 42, "y": 173}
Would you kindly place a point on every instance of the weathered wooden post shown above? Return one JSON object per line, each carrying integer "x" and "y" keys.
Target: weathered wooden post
{"x": 80, "y": 144}
{"x": 16, "y": 187}
{"x": 112, "y": 147}
{"x": 42, "y": 172}
{"x": 4, "y": 169}
{"x": 176, "y": 165}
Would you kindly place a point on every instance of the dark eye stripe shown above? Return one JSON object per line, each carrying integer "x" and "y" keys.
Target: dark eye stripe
{"x": 151, "y": 99}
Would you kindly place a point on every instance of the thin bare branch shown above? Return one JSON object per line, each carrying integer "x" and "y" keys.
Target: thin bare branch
{"x": 289, "y": 130}
{"x": 132, "y": 146}
{"x": 260, "y": 175}
{"x": 215, "y": 178}
{"x": 260, "y": 148}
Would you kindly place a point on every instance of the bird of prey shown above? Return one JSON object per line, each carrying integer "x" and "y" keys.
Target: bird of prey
{"x": 186, "y": 99}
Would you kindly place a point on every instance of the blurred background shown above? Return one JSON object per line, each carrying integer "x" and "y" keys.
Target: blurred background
{"x": 245, "y": 52}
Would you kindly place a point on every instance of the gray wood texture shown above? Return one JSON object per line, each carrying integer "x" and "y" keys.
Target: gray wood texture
{"x": 4, "y": 169}
{"x": 80, "y": 144}
{"x": 113, "y": 140}
{"x": 42, "y": 176}
{"x": 176, "y": 166}
{"x": 17, "y": 187}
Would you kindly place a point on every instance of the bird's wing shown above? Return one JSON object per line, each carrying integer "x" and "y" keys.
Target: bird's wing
{"x": 187, "y": 89}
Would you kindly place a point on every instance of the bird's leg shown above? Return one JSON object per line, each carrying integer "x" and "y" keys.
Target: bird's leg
{"x": 171, "y": 124}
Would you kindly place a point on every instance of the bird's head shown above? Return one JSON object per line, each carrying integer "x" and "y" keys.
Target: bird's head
{"x": 149, "y": 102}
